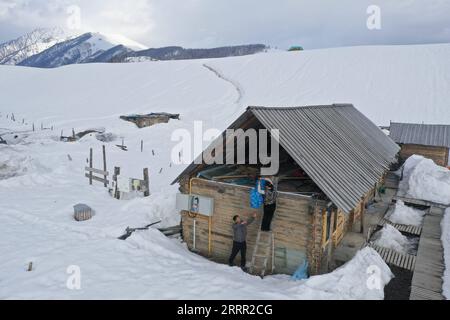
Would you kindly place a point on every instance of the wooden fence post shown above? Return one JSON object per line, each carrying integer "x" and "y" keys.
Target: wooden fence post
{"x": 104, "y": 164}
{"x": 147, "y": 183}
{"x": 33, "y": 126}
{"x": 90, "y": 166}
{"x": 116, "y": 189}
{"x": 142, "y": 145}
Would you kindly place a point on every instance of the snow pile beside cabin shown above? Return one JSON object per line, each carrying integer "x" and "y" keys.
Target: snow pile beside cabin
{"x": 363, "y": 277}
{"x": 423, "y": 179}
{"x": 403, "y": 214}
{"x": 391, "y": 238}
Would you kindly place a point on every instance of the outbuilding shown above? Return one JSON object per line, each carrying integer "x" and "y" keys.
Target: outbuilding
{"x": 331, "y": 160}
{"x": 429, "y": 140}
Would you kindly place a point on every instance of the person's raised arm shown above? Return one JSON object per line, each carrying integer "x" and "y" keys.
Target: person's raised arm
{"x": 251, "y": 219}
{"x": 259, "y": 189}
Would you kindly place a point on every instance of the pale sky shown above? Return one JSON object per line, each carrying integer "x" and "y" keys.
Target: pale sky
{"x": 210, "y": 23}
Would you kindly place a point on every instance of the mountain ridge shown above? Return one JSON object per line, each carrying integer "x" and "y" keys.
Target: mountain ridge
{"x": 94, "y": 47}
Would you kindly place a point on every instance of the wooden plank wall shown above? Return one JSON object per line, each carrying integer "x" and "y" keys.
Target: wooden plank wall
{"x": 438, "y": 154}
{"x": 297, "y": 224}
{"x": 293, "y": 225}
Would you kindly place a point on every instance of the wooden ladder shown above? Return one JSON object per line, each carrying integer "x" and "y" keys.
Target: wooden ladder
{"x": 261, "y": 253}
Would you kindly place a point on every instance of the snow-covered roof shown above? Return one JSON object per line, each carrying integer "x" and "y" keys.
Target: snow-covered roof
{"x": 342, "y": 151}
{"x": 437, "y": 135}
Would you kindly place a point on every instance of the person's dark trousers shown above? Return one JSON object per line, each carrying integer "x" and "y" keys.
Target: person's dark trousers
{"x": 269, "y": 211}
{"x": 238, "y": 246}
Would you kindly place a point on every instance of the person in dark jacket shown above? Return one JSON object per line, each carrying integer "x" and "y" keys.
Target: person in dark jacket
{"x": 270, "y": 194}
{"x": 240, "y": 239}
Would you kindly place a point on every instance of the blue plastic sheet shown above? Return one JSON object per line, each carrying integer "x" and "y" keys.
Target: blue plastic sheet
{"x": 302, "y": 272}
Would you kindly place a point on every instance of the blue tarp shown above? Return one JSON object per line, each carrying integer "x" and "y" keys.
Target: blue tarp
{"x": 302, "y": 272}
{"x": 256, "y": 199}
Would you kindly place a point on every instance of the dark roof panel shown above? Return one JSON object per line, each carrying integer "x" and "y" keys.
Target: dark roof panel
{"x": 339, "y": 148}
{"x": 437, "y": 135}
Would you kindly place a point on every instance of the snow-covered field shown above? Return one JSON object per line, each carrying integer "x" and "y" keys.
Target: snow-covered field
{"x": 39, "y": 184}
{"x": 37, "y": 226}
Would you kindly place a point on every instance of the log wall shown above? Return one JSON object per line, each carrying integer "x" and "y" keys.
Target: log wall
{"x": 438, "y": 154}
{"x": 296, "y": 235}
{"x": 298, "y": 226}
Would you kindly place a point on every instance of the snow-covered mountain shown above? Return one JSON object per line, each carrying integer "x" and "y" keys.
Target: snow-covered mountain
{"x": 89, "y": 47}
{"x": 50, "y": 48}
{"x": 15, "y": 51}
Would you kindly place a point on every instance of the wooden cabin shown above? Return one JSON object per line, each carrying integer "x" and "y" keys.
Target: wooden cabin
{"x": 331, "y": 160}
{"x": 428, "y": 140}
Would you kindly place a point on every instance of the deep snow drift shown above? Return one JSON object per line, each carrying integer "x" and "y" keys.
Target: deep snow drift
{"x": 404, "y": 214}
{"x": 423, "y": 179}
{"x": 391, "y": 238}
{"x": 408, "y": 83}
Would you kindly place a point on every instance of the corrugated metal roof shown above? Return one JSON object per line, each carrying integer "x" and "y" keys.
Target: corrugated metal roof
{"x": 437, "y": 135}
{"x": 342, "y": 151}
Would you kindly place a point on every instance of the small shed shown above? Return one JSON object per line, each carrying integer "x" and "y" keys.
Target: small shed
{"x": 332, "y": 159}
{"x": 296, "y": 48}
{"x": 148, "y": 120}
{"x": 429, "y": 140}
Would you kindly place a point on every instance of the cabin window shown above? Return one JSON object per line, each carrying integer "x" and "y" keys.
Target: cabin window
{"x": 326, "y": 227}
{"x": 339, "y": 227}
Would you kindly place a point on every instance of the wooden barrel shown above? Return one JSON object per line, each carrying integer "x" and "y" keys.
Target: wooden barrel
{"x": 82, "y": 212}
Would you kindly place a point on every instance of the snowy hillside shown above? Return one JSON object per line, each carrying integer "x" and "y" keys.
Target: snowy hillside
{"x": 15, "y": 51}
{"x": 39, "y": 182}
{"x": 398, "y": 83}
